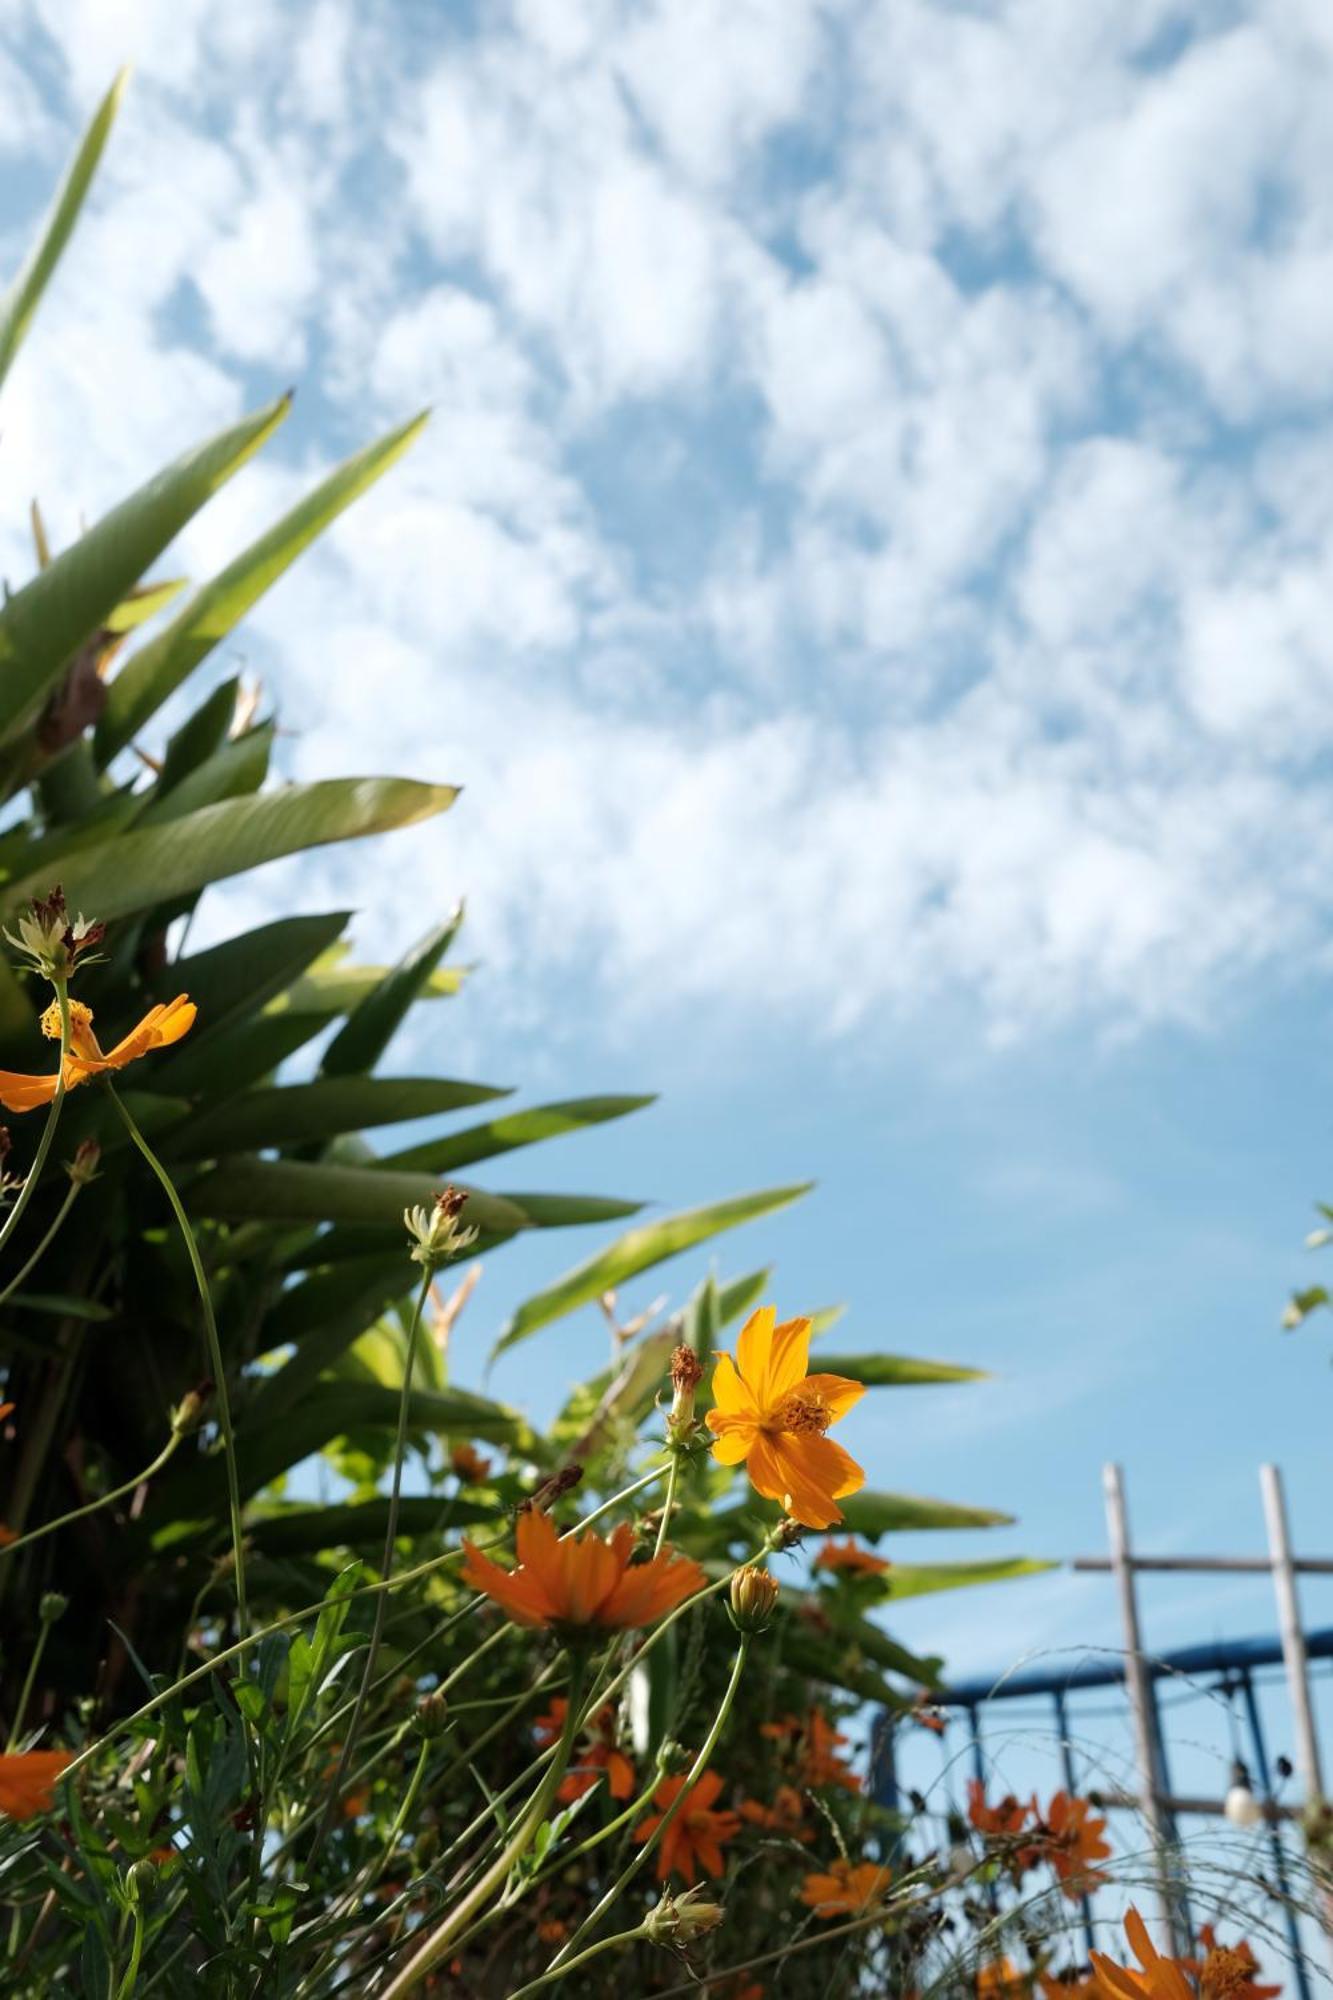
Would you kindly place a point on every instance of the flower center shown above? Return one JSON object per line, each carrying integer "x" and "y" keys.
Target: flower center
{"x": 81, "y": 1037}
{"x": 1224, "y": 1972}
{"x": 802, "y": 1411}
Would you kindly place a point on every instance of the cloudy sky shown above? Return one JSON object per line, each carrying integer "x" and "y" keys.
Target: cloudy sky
{"x": 871, "y": 568}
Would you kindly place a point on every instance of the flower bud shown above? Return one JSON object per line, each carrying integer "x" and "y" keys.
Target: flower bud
{"x": 51, "y": 943}
{"x": 754, "y": 1593}
{"x": 189, "y": 1411}
{"x": 51, "y": 1606}
{"x": 432, "y": 1716}
{"x": 435, "y": 1231}
{"x": 83, "y": 1167}
{"x": 142, "y": 1880}
{"x": 686, "y": 1375}
{"x": 678, "y": 1920}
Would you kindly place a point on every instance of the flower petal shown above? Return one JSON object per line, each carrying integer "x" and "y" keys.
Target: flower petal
{"x": 752, "y": 1349}
{"x": 809, "y": 1471}
{"x": 838, "y": 1393}
{"x": 788, "y": 1358}
{"x": 732, "y": 1438}
{"x": 730, "y": 1394}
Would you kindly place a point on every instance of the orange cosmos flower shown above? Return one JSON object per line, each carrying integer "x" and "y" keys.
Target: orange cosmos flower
{"x": 28, "y": 1781}
{"x": 1228, "y": 1972}
{"x": 598, "y": 1753}
{"x": 1000, "y": 1979}
{"x": 785, "y": 1816}
{"x": 581, "y": 1581}
{"x": 1073, "y": 1843}
{"x": 552, "y": 1930}
{"x": 159, "y": 1027}
{"x": 697, "y": 1833}
{"x": 848, "y": 1559}
{"x": 817, "y": 1743}
{"x": 771, "y": 1414}
{"x": 1159, "y": 1979}
{"x": 846, "y": 1890}
{"x": 468, "y": 1464}
{"x": 1070, "y": 1985}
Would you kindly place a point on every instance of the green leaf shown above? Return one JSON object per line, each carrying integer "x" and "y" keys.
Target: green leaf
{"x": 302, "y": 1531}
{"x": 239, "y": 1054}
{"x": 236, "y": 770}
{"x": 517, "y": 1128}
{"x": 339, "y": 987}
{"x": 893, "y": 1371}
{"x": 295, "y": 1114}
{"x": 160, "y": 863}
{"x": 923, "y": 1579}
{"x": 741, "y": 1294}
{"x": 571, "y": 1211}
{"x": 366, "y": 1034}
{"x": 876, "y": 1514}
{"x": 198, "y": 737}
{"x": 158, "y": 668}
{"x": 144, "y": 602}
{"x": 43, "y": 624}
{"x": 639, "y": 1250}
{"x": 318, "y": 1191}
{"x": 197, "y": 1496}
{"x": 24, "y": 294}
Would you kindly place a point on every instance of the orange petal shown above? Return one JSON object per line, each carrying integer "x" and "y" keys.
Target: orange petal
{"x": 838, "y": 1393}
{"x": 24, "y": 1093}
{"x": 808, "y": 1471}
{"x": 730, "y": 1394}
{"x": 518, "y": 1592}
{"x": 756, "y": 1337}
{"x": 588, "y": 1575}
{"x": 789, "y": 1356}
{"x": 732, "y": 1438}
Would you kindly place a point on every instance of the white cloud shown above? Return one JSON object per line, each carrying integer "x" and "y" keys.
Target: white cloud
{"x": 876, "y": 525}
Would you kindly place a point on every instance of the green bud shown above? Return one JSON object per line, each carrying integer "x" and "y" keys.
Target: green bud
{"x": 51, "y": 1606}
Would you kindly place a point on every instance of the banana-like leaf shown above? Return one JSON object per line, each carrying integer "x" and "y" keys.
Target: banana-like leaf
{"x": 924, "y": 1579}
{"x": 195, "y": 1499}
{"x": 571, "y": 1211}
{"x": 296, "y": 1114}
{"x": 741, "y": 1294}
{"x": 198, "y": 737}
{"x": 24, "y": 294}
{"x": 517, "y": 1128}
{"x": 158, "y": 668}
{"x": 893, "y": 1371}
{"x": 639, "y": 1250}
{"x": 236, "y": 770}
{"x": 43, "y": 624}
{"x": 161, "y": 863}
{"x": 339, "y": 987}
{"x": 317, "y": 1191}
{"x": 876, "y": 1514}
{"x": 230, "y": 982}
{"x": 308, "y": 1531}
{"x": 43, "y": 858}
{"x": 595, "y": 1410}
{"x": 369, "y": 1029}
{"x": 144, "y": 602}
{"x": 239, "y": 1054}
{"x": 380, "y": 1355}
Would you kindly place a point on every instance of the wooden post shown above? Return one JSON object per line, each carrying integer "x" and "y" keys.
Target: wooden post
{"x": 1141, "y": 1703}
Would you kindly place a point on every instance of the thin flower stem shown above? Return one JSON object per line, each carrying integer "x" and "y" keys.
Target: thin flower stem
{"x": 668, "y": 1503}
{"x": 705, "y": 1981}
{"x": 71, "y": 1196}
{"x": 92, "y": 1506}
{"x": 34, "y": 1173}
{"x": 386, "y": 1570}
{"x": 484, "y": 1889}
{"x": 131, "y": 1979}
{"x": 560, "y": 1962}
{"x": 25, "y": 1693}
{"x": 548, "y": 1978}
{"x": 217, "y": 1365}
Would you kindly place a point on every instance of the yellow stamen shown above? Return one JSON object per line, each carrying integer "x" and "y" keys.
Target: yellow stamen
{"x": 81, "y": 1037}
{"x": 802, "y": 1411}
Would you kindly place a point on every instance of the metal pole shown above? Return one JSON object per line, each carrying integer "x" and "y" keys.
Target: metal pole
{"x": 1292, "y": 1631}
{"x": 1140, "y": 1698}
{"x": 1262, "y": 1772}
{"x": 1071, "y": 1786}
{"x": 979, "y": 1773}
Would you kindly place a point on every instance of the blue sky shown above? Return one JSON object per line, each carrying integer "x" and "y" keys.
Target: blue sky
{"x": 870, "y": 567}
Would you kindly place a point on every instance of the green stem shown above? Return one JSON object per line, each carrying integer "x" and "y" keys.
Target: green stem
{"x": 668, "y": 1503}
{"x": 692, "y": 1777}
{"x": 217, "y": 1366}
{"x": 39, "y": 1647}
{"x": 483, "y": 1891}
{"x": 34, "y": 1173}
{"x": 549, "y": 1977}
{"x": 386, "y": 1571}
{"x": 71, "y": 1196}
{"x": 92, "y": 1506}
{"x": 131, "y": 1979}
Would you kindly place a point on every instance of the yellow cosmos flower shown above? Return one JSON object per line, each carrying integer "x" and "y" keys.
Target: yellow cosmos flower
{"x": 771, "y": 1414}
{"x": 159, "y": 1027}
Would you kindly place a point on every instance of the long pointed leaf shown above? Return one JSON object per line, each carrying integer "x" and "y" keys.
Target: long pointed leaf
{"x": 318, "y": 1191}
{"x": 158, "y": 668}
{"x": 367, "y": 1032}
{"x": 43, "y": 624}
{"x": 518, "y": 1128}
{"x": 298, "y": 1113}
{"x": 160, "y": 863}
{"x": 894, "y": 1371}
{"x": 639, "y": 1250}
{"x": 24, "y": 295}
